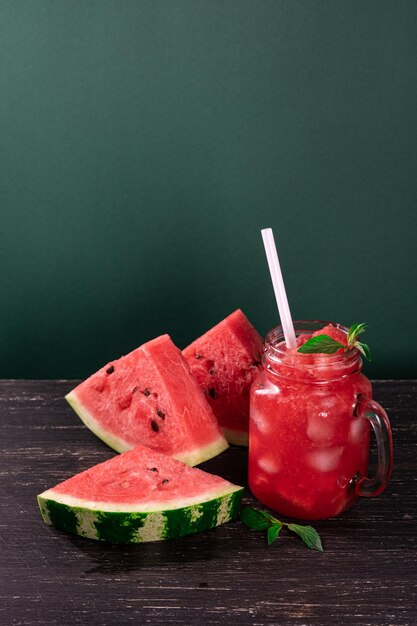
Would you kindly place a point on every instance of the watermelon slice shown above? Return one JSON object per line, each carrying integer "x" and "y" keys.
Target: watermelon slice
{"x": 140, "y": 495}
{"x": 149, "y": 397}
{"x": 225, "y": 361}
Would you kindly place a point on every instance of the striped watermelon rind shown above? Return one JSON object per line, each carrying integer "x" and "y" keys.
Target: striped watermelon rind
{"x": 128, "y": 523}
{"x": 191, "y": 457}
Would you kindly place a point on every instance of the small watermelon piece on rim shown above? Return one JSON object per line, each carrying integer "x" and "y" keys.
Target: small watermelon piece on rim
{"x": 225, "y": 361}
{"x": 149, "y": 397}
{"x": 335, "y": 333}
{"x": 138, "y": 496}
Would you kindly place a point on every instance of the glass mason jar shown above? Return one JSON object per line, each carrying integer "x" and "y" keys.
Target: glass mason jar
{"x": 309, "y": 430}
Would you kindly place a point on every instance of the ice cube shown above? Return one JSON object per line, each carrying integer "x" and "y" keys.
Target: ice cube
{"x": 320, "y": 427}
{"x": 268, "y": 464}
{"x": 259, "y": 421}
{"x": 259, "y": 479}
{"x": 325, "y": 459}
{"x": 331, "y": 403}
{"x": 357, "y": 429}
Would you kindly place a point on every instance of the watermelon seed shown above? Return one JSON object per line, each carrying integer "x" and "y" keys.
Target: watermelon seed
{"x": 134, "y": 389}
{"x": 166, "y": 480}
{"x": 155, "y": 426}
{"x": 212, "y": 392}
{"x": 198, "y": 356}
{"x": 146, "y": 392}
{"x": 211, "y": 372}
{"x": 110, "y": 369}
{"x": 160, "y": 414}
{"x": 152, "y": 469}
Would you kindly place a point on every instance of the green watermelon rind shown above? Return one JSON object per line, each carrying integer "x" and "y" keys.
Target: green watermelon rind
{"x": 169, "y": 521}
{"x": 190, "y": 457}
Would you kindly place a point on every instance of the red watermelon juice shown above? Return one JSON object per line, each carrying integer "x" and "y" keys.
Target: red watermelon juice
{"x": 309, "y": 432}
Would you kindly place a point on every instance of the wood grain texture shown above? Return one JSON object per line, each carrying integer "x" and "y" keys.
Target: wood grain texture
{"x": 366, "y": 576}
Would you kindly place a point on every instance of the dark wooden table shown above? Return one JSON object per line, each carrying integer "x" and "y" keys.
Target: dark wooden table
{"x": 367, "y": 574}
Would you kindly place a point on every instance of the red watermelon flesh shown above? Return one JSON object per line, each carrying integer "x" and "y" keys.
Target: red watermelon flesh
{"x": 149, "y": 397}
{"x": 225, "y": 361}
{"x": 140, "y": 475}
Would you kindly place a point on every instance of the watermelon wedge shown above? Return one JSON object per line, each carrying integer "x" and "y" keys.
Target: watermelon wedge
{"x": 140, "y": 495}
{"x": 149, "y": 397}
{"x": 225, "y": 361}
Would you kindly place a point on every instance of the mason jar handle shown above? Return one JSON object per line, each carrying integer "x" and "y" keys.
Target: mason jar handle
{"x": 380, "y": 423}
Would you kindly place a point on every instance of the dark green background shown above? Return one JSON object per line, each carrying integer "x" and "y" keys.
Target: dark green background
{"x": 144, "y": 144}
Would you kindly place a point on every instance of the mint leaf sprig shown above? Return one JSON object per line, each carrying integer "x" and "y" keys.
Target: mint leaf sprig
{"x": 352, "y": 339}
{"x": 323, "y": 344}
{"x": 261, "y": 520}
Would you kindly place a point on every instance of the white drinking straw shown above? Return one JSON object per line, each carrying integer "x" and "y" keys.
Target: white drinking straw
{"x": 279, "y": 287}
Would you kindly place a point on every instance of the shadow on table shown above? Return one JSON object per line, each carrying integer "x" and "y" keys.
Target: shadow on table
{"x": 114, "y": 558}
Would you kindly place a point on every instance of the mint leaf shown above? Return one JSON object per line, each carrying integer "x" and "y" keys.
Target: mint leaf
{"x": 308, "y": 534}
{"x": 273, "y": 532}
{"x": 320, "y": 344}
{"x": 363, "y": 348}
{"x": 354, "y": 331}
{"x": 261, "y": 520}
{"x": 255, "y": 518}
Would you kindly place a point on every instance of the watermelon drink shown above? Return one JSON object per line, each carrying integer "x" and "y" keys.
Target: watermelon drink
{"x": 309, "y": 433}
